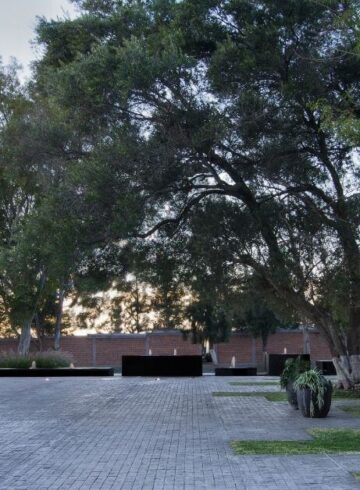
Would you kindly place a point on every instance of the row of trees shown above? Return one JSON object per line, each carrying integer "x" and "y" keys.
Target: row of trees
{"x": 215, "y": 139}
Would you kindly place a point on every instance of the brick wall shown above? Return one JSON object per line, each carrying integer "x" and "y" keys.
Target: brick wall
{"x": 249, "y": 350}
{"x": 7, "y": 345}
{"x": 164, "y": 343}
{"x": 241, "y": 346}
{"x": 108, "y": 349}
{"x": 79, "y": 347}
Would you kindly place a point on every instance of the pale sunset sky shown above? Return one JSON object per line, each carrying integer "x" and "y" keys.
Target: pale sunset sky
{"x": 17, "y": 24}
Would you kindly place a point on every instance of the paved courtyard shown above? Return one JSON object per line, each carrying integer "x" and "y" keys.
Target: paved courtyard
{"x": 139, "y": 433}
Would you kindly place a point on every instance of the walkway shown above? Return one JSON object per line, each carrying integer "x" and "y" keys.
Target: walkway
{"x": 138, "y": 433}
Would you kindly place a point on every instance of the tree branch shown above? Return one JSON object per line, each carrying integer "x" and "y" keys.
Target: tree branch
{"x": 183, "y": 213}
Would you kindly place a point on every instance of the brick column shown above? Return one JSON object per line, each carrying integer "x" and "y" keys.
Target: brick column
{"x": 93, "y": 346}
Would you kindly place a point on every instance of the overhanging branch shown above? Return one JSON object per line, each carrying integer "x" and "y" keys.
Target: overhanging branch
{"x": 183, "y": 213}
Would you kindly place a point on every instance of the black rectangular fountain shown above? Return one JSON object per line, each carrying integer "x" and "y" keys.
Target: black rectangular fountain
{"x": 54, "y": 372}
{"x": 276, "y": 362}
{"x": 162, "y": 366}
{"x": 236, "y": 371}
{"x": 326, "y": 367}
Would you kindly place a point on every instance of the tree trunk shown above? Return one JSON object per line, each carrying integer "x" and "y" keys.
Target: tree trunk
{"x": 355, "y": 368}
{"x": 25, "y": 338}
{"x": 353, "y": 335}
{"x": 59, "y": 314}
{"x": 264, "y": 340}
{"x": 347, "y": 370}
{"x": 306, "y": 340}
{"x": 39, "y": 332}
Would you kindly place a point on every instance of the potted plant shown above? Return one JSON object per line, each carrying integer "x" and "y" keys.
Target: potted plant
{"x": 313, "y": 393}
{"x": 293, "y": 367}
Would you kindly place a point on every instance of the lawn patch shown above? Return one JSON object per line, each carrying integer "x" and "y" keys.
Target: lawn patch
{"x": 249, "y": 383}
{"x": 353, "y": 410}
{"x": 346, "y": 394}
{"x": 280, "y": 396}
{"x": 356, "y": 475}
{"x": 276, "y": 396}
{"x": 325, "y": 441}
{"x": 272, "y": 396}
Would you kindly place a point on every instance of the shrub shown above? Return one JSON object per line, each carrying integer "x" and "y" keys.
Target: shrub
{"x": 52, "y": 359}
{"x": 49, "y": 359}
{"x": 13, "y": 360}
{"x": 313, "y": 380}
{"x": 292, "y": 369}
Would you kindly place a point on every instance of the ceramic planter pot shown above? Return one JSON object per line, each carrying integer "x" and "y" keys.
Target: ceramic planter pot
{"x": 292, "y": 396}
{"x": 306, "y": 398}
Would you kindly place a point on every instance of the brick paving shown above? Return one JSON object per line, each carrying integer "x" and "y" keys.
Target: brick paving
{"x": 138, "y": 433}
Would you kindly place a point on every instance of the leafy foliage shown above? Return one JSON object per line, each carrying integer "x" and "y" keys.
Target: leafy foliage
{"x": 207, "y": 323}
{"x": 224, "y": 105}
{"x": 316, "y": 383}
{"x": 293, "y": 368}
{"x": 43, "y": 360}
{"x": 12, "y": 360}
{"x": 219, "y": 134}
{"x": 52, "y": 359}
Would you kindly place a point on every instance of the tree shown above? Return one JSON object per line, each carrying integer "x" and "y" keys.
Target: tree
{"x": 20, "y": 279}
{"x": 208, "y": 323}
{"x": 259, "y": 320}
{"x": 134, "y": 306}
{"x": 221, "y": 102}
{"x": 163, "y": 271}
{"x": 151, "y": 293}
{"x": 40, "y": 228}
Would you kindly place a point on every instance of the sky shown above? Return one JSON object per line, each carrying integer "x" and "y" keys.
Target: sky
{"x": 17, "y": 24}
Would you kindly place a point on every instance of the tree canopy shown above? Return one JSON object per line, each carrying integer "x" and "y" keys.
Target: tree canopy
{"x": 227, "y": 126}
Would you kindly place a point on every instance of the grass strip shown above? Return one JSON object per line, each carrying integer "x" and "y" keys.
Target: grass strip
{"x": 346, "y": 394}
{"x": 356, "y": 475}
{"x": 251, "y": 383}
{"x": 353, "y": 410}
{"x": 280, "y": 396}
{"x": 272, "y": 396}
{"x": 325, "y": 441}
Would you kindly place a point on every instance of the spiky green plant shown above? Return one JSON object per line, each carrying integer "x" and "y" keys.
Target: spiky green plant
{"x": 316, "y": 383}
{"x": 293, "y": 367}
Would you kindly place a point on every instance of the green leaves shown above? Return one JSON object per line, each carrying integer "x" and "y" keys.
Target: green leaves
{"x": 229, "y": 126}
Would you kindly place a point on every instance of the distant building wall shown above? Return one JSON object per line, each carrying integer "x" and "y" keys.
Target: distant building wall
{"x": 246, "y": 349}
{"x": 164, "y": 343}
{"x": 108, "y": 349}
